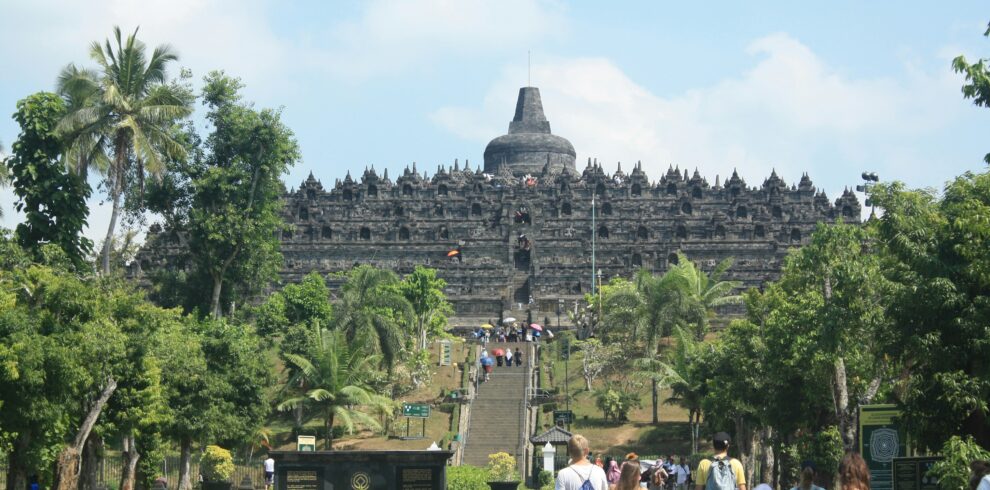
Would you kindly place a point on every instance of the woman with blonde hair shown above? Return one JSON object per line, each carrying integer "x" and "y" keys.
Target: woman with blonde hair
{"x": 853, "y": 472}
{"x": 629, "y": 476}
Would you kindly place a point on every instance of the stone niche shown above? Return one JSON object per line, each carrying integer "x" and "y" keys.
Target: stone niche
{"x": 361, "y": 470}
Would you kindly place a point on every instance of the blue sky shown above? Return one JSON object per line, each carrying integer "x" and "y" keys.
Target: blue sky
{"x": 831, "y": 88}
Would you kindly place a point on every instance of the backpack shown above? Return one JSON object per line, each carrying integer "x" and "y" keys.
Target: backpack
{"x": 587, "y": 481}
{"x": 721, "y": 476}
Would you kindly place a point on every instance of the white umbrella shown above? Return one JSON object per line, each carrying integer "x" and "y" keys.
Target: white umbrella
{"x": 509, "y": 320}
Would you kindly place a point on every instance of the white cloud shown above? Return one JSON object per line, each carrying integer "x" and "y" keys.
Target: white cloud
{"x": 791, "y": 111}
{"x": 394, "y": 35}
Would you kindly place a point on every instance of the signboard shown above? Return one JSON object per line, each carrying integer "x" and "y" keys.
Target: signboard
{"x": 306, "y": 443}
{"x": 302, "y": 480}
{"x": 563, "y": 416}
{"x": 445, "y": 352}
{"x": 417, "y": 478}
{"x": 880, "y": 441}
{"x": 417, "y": 410}
{"x": 912, "y": 473}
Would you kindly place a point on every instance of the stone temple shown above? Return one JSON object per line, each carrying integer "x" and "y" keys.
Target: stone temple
{"x": 517, "y": 236}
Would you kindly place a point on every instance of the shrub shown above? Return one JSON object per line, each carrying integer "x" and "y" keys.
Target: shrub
{"x": 446, "y": 407}
{"x": 216, "y": 464}
{"x": 953, "y": 471}
{"x": 467, "y": 477}
{"x": 502, "y": 467}
{"x": 545, "y": 479}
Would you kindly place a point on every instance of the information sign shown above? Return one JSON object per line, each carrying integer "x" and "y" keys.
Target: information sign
{"x": 417, "y": 410}
{"x": 563, "y": 416}
{"x": 305, "y": 443}
{"x": 880, "y": 441}
{"x": 912, "y": 473}
{"x": 445, "y": 352}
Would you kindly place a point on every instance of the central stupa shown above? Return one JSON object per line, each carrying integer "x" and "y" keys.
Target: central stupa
{"x": 529, "y": 146}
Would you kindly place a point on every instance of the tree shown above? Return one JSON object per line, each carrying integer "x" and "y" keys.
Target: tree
{"x": 129, "y": 110}
{"x": 977, "y": 85}
{"x": 686, "y": 376}
{"x": 940, "y": 265}
{"x": 424, "y": 291}
{"x": 598, "y": 359}
{"x": 235, "y": 211}
{"x": 334, "y": 382}
{"x": 702, "y": 293}
{"x": 305, "y": 303}
{"x": 371, "y": 309}
{"x": 52, "y": 199}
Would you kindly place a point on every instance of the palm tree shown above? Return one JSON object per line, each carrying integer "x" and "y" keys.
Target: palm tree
{"x": 372, "y": 308}
{"x": 334, "y": 382}
{"x": 686, "y": 380}
{"x": 123, "y": 116}
{"x": 702, "y": 292}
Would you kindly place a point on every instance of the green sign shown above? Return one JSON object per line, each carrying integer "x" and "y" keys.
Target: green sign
{"x": 563, "y": 416}
{"x": 417, "y": 410}
{"x": 306, "y": 443}
{"x": 880, "y": 441}
{"x": 912, "y": 473}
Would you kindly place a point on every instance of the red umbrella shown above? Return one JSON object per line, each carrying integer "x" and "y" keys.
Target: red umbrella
{"x": 536, "y": 327}
{"x": 498, "y": 352}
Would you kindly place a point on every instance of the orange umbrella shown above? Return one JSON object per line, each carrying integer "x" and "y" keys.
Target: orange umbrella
{"x": 498, "y": 352}
{"x": 453, "y": 253}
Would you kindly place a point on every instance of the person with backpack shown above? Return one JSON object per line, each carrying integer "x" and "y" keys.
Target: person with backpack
{"x": 581, "y": 474}
{"x": 720, "y": 472}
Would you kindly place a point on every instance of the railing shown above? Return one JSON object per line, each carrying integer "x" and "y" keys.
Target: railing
{"x": 111, "y": 468}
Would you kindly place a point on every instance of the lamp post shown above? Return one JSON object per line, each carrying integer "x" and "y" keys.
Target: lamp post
{"x": 566, "y": 354}
{"x": 601, "y": 298}
{"x": 870, "y": 179}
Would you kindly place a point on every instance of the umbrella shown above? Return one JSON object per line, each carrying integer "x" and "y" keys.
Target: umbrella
{"x": 509, "y": 320}
{"x": 498, "y": 352}
{"x": 549, "y": 334}
{"x": 453, "y": 253}
{"x": 536, "y": 327}
{"x": 486, "y": 361}
{"x": 487, "y": 327}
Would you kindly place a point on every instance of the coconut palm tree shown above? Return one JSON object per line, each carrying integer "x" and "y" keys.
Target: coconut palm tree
{"x": 334, "y": 382}
{"x": 686, "y": 379}
{"x": 123, "y": 116}
{"x": 701, "y": 293}
{"x": 372, "y": 308}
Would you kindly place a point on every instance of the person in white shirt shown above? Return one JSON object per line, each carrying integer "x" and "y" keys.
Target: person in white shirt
{"x": 980, "y": 476}
{"x": 682, "y": 471}
{"x": 269, "y": 472}
{"x": 581, "y": 470}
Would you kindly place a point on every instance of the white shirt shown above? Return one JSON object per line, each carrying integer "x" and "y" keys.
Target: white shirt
{"x": 572, "y": 477}
{"x": 984, "y": 483}
{"x": 270, "y": 465}
{"x": 682, "y": 471}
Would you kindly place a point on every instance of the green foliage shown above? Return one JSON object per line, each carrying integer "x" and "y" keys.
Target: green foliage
{"x": 977, "y": 85}
{"x": 234, "y": 215}
{"x": 334, "y": 382}
{"x": 52, "y": 199}
{"x": 953, "y": 470}
{"x": 424, "y": 291}
{"x": 371, "y": 308}
{"x": 216, "y": 464}
{"x": 544, "y": 479}
{"x": 126, "y": 110}
{"x": 616, "y": 403}
{"x": 502, "y": 467}
{"x": 467, "y": 477}
{"x": 938, "y": 260}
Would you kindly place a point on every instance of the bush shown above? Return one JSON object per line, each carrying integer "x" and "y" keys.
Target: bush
{"x": 502, "y": 467}
{"x": 953, "y": 471}
{"x": 446, "y": 407}
{"x": 216, "y": 464}
{"x": 549, "y": 407}
{"x": 467, "y": 477}
{"x": 544, "y": 479}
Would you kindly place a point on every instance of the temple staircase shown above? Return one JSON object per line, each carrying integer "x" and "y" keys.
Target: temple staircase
{"x": 498, "y": 411}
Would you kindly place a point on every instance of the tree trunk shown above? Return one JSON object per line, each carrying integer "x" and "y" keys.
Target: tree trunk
{"x": 185, "y": 456}
{"x": 16, "y": 469}
{"x": 767, "y": 457}
{"x": 67, "y": 473}
{"x": 215, "y": 301}
{"x": 843, "y": 413}
{"x": 656, "y": 402}
{"x": 92, "y": 452}
{"x": 695, "y": 418}
{"x": 108, "y": 241}
{"x": 329, "y": 431}
{"x": 130, "y": 456}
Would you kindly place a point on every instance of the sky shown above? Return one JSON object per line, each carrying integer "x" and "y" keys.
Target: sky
{"x": 828, "y": 88}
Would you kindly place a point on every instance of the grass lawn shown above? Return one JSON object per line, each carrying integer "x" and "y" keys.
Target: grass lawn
{"x": 638, "y": 434}
{"x": 437, "y": 425}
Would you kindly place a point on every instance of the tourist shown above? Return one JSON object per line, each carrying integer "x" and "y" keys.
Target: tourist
{"x": 808, "y": 471}
{"x": 980, "y": 475}
{"x": 580, "y": 471}
{"x": 629, "y": 476}
{"x": 612, "y": 472}
{"x": 486, "y": 365}
{"x": 656, "y": 476}
{"x": 598, "y": 462}
{"x": 269, "y": 472}
{"x": 670, "y": 468}
{"x": 508, "y": 357}
{"x": 682, "y": 474}
{"x": 518, "y": 357}
{"x": 499, "y": 359}
{"x": 853, "y": 473}
{"x": 721, "y": 472}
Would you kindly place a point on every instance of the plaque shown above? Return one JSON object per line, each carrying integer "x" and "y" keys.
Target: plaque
{"x": 415, "y": 478}
{"x": 302, "y": 480}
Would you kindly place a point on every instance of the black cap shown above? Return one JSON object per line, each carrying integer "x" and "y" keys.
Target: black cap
{"x": 721, "y": 436}
{"x": 808, "y": 464}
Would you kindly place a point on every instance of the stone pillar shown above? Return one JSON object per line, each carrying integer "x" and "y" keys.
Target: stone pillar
{"x": 548, "y": 455}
